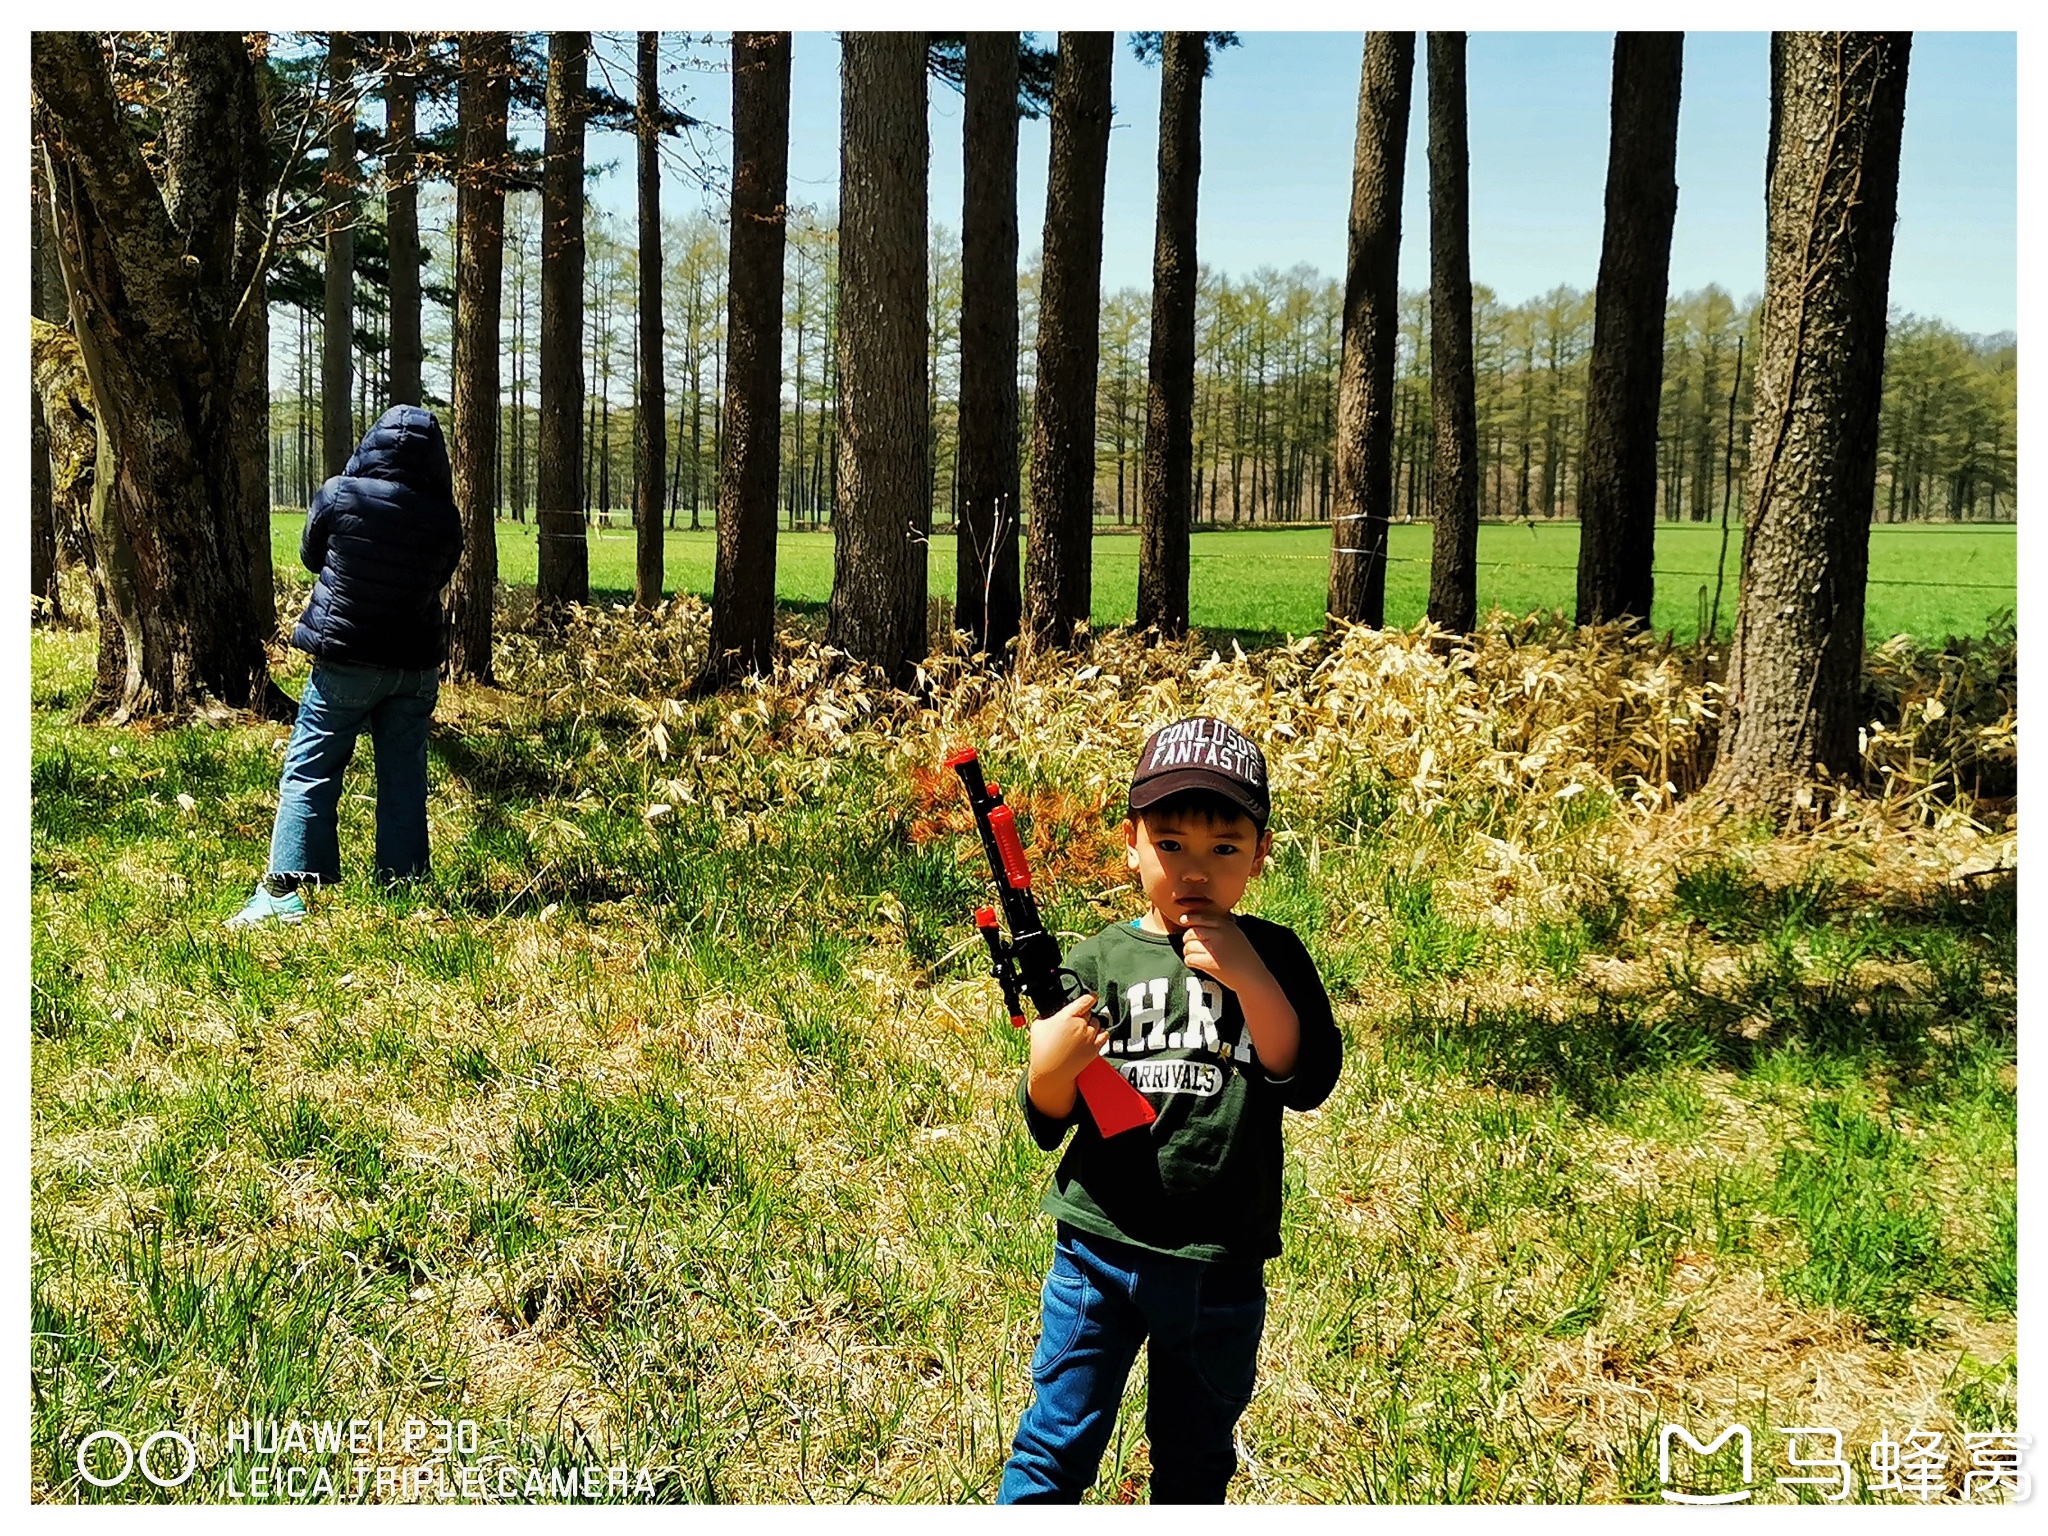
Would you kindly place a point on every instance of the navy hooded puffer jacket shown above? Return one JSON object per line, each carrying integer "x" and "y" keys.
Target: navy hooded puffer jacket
{"x": 383, "y": 539}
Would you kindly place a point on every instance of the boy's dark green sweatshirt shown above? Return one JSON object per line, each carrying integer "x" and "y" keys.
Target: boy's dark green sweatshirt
{"x": 1203, "y": 1181}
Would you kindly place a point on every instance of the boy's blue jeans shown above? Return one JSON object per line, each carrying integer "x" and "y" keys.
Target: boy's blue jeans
{"x": 341, "y": 700}
{"x": 1102, "y": 1300}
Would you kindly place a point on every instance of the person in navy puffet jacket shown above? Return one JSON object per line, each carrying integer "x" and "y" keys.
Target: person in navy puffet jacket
{"x": 381, "y": 539}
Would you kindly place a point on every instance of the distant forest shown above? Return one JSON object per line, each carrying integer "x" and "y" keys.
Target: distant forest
{"x": 1267, "y": 349}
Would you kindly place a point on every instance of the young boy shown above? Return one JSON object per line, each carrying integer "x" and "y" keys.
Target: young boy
{"x": 1163, "y": 1232}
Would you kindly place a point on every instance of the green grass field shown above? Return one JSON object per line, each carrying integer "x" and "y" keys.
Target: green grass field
{"x": 666, "y": 1127}
{"x": 1927, "y": 580}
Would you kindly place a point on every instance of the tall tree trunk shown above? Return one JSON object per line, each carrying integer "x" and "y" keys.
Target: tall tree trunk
{"x": 337, "y": 353}
{"x": 989, "y": 603}
{"x": 1625, "y": 379}
{"x": 1837, "y": 111}
{"x": 696, "y": 402}
{"x": 522, "y": 334}
{"x": 650, "y": 416}
{"x": 604, "y": 412}
{"x": 1058, "y": 556}
{"x": 586, "y": 497}
{"x": 797, "y": 445}
{"x": 250, "y": 483}
{"x": 877, "y": 612}
{"x": 162, "y": 279}
{"x": 831, "y": 449}
{"x": 250, "y": 486}
{"x": 1454, "y": 483}
{"x": 402, "y": 219}
{"x": 750, "y": 440}
{"x": 482, "y": 95}
{"x": 558, "y": 507}
{"x": 1372, "y": 326}
{"x": 718, "y": 349}
{"x": 1170, "y": 377}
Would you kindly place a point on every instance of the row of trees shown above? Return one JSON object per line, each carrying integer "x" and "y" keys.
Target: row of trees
{"x": 1266, "y": 380}
{"x": 1266, "y": 363}
{"x": 164, "y": 303}
{"x": 693, "y": 291}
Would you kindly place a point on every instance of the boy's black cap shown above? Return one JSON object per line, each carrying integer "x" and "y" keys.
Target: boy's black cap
{"x": 1202, "y": 753}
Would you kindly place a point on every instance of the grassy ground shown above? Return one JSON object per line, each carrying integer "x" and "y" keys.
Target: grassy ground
{"x": 666, "y": 1125}
{"x": 1928, "y": 580}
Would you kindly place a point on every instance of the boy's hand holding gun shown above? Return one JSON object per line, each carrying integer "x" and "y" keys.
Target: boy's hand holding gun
{"x": 1062, "y": 1046}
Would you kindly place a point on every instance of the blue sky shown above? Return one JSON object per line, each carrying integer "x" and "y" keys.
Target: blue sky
{"x": 1280, "y": 112}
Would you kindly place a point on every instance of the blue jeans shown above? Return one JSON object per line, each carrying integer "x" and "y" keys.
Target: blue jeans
{"x": 341, "y": 700}
{"x": 1102, "y": 1300}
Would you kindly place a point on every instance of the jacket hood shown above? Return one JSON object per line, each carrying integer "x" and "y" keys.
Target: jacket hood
{"x": 406, "y": 446}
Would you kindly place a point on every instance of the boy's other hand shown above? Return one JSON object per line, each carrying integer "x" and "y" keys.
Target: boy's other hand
{"x": 1062, "y": 1045}
{"x": 1213, "y": 943}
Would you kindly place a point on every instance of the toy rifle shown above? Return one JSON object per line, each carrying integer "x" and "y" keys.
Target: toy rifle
{"x": 1029, "y": 960}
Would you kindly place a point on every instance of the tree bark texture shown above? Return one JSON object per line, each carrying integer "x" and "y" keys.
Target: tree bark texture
{"x": 1837, "y": 112}
{"x": 1372, "y": 326}
{"x": 558, "y": 507}
{"x": 162, "y": 281}
{"x": 402, "y": 222}
{"x": 650, "y": 445}
{"x": 1170, "y": 379}
{"x": 1058, "y": 555}
{"x": 42, "y": 522}
{"x": 78, "y": 499}
{"x": 1454, "y": 485}
{"x": 1625, "y": 378}
{"x": 59, "y": 385}
{"x": 986, "y": 564}
{"x": 743, "y": 586}
{"x": 482, "y": 94}
{"x": 45, "y": 303}
{"x": 882, "y": 529}
{"x": 337, "y": 337}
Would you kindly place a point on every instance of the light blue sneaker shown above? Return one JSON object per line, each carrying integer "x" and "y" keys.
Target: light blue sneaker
{"x": 269, "y": 904}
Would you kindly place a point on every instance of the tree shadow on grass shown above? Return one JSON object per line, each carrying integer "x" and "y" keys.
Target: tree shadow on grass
{"x": 498, "y": 763}
{"x": 1796, "y": 993}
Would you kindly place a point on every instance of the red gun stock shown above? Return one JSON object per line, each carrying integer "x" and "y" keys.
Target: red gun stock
{"x": 1029, "y": 960}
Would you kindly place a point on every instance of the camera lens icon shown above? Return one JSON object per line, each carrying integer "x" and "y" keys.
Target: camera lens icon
{"x": 133, "y": 1459}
